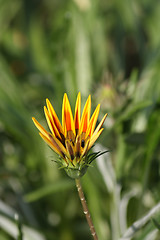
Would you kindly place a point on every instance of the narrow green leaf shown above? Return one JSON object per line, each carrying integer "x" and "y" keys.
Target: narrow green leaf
{"x": 156, "y": 223}
{"x": 62, "y": 185}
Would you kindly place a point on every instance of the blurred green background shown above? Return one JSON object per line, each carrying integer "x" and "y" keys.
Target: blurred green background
{"x": 110, "y": 49}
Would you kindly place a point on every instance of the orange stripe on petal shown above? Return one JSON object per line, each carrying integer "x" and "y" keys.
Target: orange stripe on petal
{"x": 85, "y": 116}
{"x": 68, "y": 121}
{"x": 67, "y": 117}
{"x": 77, "y": 112}
{"x": 85, "y": 124}
{"x": 51, "y": 124}
{"x": 54, "y": 117}
{"x": 40, "y": 128}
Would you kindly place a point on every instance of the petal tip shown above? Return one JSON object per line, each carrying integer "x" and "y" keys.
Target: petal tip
{"x": 65, "y": 95}
{"x": 34, "y": 120}
{"x": 45, "y": 109}
{"x": 47, "y": 100}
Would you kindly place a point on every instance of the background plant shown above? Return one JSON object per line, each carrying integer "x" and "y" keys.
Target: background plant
{"x": 111, "y": 50}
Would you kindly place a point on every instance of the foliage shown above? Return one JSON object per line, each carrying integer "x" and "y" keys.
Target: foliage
{"x": 111, "y": 50}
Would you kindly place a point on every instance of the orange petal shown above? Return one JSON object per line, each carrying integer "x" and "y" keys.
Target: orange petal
{"x": 67, "y": 117}
{"x": 85, "y": 116}
{"x": 53, "y": 116}
{"x": 77, "y": 114}
{"x": 94, "y": 138}
{"x": 40, "y": 128}
{"x": 51, "y": 124}
{"x": 92, "y": 122}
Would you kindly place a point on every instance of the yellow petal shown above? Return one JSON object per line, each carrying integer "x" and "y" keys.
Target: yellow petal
{"x": 86, "y": 148}
{"x": 70, "y": 135}
{"x": 77, "y": 114}
{"x": 40, "y": 128}
{"x": 70, "y": 149}
{"x": 60, "y": 145}
{"x": 54, "y": 147}
{"x": 92, "y": 122}
{"x": 51, "y": 124}
{"x": 100, "y": 124}
{"x": 78, "y": 146}
{"x": 67, "y": 117}
{"x": 54, "y": 117}
{"x": 94, "y": 138}
{"x": 63, "y": 117}
{"x": 85, "y": 116}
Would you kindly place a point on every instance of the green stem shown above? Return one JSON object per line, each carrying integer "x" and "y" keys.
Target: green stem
{"x": 85, "y": 209}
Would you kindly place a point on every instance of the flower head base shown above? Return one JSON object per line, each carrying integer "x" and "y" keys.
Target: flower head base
{"x": 74, "y": 138}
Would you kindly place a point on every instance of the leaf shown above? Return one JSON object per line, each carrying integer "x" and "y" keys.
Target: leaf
{"x": 139, "y": 224}
{"x": 11, "y": 228}
{"x": 132, "y": 109}
{"x": 156, "y": 223}
{"x": 62, "y": 185}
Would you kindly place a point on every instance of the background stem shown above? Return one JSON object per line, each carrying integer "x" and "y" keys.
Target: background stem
{"x": 85, "y": 209}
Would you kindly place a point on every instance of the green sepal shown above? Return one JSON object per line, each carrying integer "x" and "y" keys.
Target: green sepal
{"x": 78, "y": 166}
{"x": 75, "y": 172}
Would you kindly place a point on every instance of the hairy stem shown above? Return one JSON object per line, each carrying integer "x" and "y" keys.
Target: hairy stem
{"x": 85, "y": 209}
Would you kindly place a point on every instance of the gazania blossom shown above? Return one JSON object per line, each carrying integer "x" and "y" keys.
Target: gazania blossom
{"x": 72, "y": 139}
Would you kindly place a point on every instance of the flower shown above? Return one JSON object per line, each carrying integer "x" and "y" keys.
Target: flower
{"x": 74, "y": 138}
